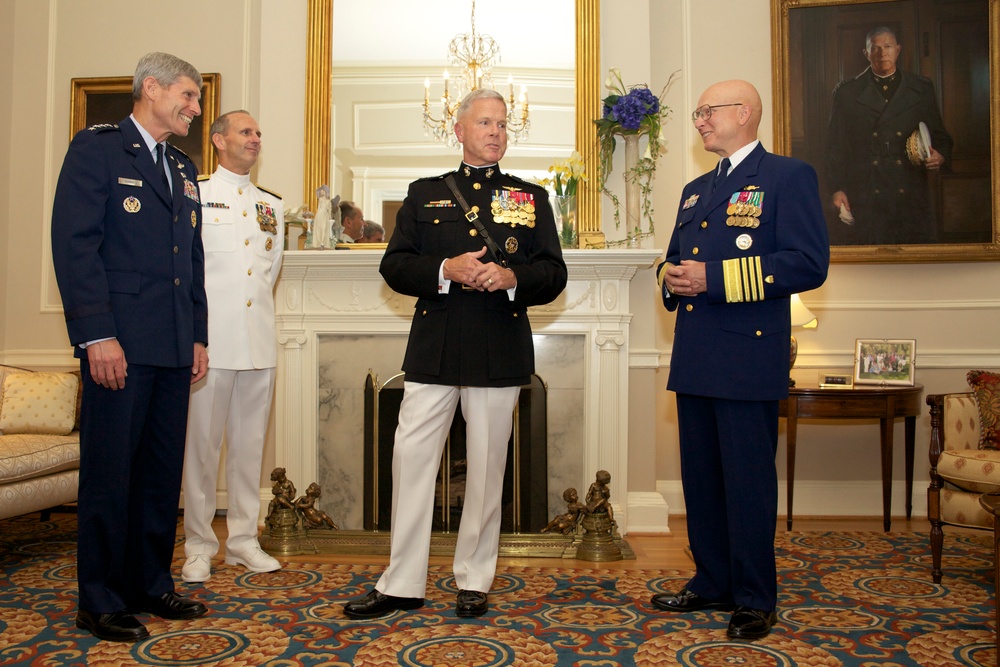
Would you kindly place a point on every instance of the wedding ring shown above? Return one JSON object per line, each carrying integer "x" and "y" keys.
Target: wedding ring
{"x": 490, "y": 281}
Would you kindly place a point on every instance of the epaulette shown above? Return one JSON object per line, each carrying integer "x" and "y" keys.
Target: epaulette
{"x": 439, "y": 177}
{"x": 180, "y": 151}
{"x": 103, "y": 127}
{"x": 270, "y": 192}
{"x": 204, "y": 177}
{"x": 523, "y": 181}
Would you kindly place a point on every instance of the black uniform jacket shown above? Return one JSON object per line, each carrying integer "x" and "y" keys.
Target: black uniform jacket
{"x": 466, "y": 337}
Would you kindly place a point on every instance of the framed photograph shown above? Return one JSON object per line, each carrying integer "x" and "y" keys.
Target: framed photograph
{"x": 884, "y": 362}
{"x": 108, "y": 99}
{"x": 890, "y": 101}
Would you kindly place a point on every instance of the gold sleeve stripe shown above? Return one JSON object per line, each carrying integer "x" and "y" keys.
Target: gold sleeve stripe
{"x": 663, "y": 272}
{"x": 744, "y": 280}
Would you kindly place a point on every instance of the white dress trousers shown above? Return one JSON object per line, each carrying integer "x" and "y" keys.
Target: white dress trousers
{"x": 243, "y": 237}
{"x": 425, "y": 417}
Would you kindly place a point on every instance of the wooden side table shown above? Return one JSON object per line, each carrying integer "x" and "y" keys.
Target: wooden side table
{"x": 991, "y": 503}
{"x": 859, "y": 402}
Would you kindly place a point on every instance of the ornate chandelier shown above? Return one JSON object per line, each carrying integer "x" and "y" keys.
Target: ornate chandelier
{"x": 475, "y": 55}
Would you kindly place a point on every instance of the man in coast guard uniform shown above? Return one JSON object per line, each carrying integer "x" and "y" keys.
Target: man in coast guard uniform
{"x": 243, "y": 233}
{"x": 126, "y": 246}
{"x": 470, "y": 339}
{"x": 749, "y": 234}
{"x": 881, "y": 185}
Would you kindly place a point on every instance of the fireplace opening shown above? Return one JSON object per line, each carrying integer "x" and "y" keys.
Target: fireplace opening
{"x": 525, "y": 486}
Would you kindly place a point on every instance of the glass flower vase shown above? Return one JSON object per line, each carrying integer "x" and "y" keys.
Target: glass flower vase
{"x": 564, "y": 211}
{"x": 633, "y": 228}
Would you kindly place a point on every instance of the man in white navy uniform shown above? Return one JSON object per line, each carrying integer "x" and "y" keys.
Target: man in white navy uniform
{"x": 243, "y": 237}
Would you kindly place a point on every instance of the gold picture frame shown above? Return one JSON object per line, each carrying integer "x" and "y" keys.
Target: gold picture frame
{"x": 818, "y": 43}
{"x": 108, "y": 99}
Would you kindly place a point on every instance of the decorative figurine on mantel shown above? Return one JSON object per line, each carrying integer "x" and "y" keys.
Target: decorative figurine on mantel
{"x": 567, "y": 523}
{"x": 600, "y": 538}
{"x": 284, "y": 498}
{"x": 326, "y": 227}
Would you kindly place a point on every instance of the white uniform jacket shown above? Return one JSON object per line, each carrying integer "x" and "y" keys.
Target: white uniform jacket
{"x": 243, "y": 232}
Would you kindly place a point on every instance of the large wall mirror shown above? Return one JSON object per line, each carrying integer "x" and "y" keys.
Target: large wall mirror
{"x": 364, "y": 129}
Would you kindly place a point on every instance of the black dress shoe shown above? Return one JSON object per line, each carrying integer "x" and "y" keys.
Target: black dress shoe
{"x": 377, "y": 604}
{"x": 685, "y": 600}
{"x": 470, "y": 604}
{"x": 748, "y": 623}
{"x": 119, "y": 626}
{"x": 172, "y": 606}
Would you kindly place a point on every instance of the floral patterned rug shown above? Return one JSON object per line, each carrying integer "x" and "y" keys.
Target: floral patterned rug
{"x": 858, "y": 599}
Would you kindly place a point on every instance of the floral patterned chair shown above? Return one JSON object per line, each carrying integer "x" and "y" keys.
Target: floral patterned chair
{"x": 964, "y": 457}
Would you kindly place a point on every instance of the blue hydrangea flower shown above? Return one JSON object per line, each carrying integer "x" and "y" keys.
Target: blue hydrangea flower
{"x": 646, "y": 96}
{"x": 629, "y": 111}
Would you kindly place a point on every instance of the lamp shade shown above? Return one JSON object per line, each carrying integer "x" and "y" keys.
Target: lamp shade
{"x": 802, "y": 316}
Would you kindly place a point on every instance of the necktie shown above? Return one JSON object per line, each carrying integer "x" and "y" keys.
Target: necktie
{"x": 721, "y": 174}
{"x": 163, "y": 168}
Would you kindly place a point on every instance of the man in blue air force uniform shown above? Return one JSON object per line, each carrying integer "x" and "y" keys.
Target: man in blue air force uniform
{"x": 749, "y": 234}
{"x": 126, "y": 246}
{"x": 470, "y": 339}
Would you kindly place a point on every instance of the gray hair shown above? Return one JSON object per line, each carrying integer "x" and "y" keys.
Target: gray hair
{"x": 370, "y": 227}
{"x": 478, "y": 94}
{"x": 875, "y": 32}
{"x": 221, "y": 124}
{"x": 163, "y": 67}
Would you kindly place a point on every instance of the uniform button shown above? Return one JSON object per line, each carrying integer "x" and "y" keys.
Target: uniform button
{"x": 875, "y": 163}
{"x": 694, "y": 251}
{"x": 244, "y": 214}
{"x": 898, "y": 133}
{"x": 875, "y": 134}
{"x": 423, "y": 313}
{"x": 248, "y": 303}
{"x": 176, "y": 250}
{"x": 876, "y": 191}
{"x": 899, "y": 162}
{"x": 239, "y": 190}
{"x": 246, "y": 242}
{"x": 436, "y": 220}
{"x": 758, "y": 333}
{"x": 175, "y": 218}
{"x": 515, "y": 314}
{"x": 475, "y": 209}
{"x": 902, "y": 191}
{"x": 473, "y": 232}
{"x": 704, "y": 224}
{"x": 477, "y": 186}
{"x": 689, "y": 307}
{"x": 177, "y": 281}
{"x": 249, "y": 272}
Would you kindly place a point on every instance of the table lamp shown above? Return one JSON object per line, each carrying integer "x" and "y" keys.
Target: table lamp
{"x": 801, "y": 317}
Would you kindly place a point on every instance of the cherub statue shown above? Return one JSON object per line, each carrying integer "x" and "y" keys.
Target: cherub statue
{"x": 565, "y": 523}
{"x": 599, "y": 495}
{"x": 284, "y": 493}
{"x": 312, "y": 516}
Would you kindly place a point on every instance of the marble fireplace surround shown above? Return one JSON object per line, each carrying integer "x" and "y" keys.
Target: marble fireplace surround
{"x": 336, "y": 319}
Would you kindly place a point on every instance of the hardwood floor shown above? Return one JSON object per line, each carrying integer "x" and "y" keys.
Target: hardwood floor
{"x": 651, "y": 551}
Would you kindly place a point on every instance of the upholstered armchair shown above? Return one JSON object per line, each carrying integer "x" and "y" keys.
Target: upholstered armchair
{"x": 964, "y": 465}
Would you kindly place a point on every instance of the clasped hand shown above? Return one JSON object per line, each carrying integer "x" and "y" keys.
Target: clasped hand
{"x": 468, "y": 270}
{"x": 686, "y": 278}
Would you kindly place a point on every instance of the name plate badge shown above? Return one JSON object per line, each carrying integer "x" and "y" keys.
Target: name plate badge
{"x": 835, "y": 381}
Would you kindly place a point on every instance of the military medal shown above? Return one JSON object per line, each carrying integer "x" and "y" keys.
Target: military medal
{"x": 743, "y": 241}
{"x": 194, "y": 219}
{"x": 266, "y": 218}
{"x": 510, "y": 245}
{"x": 745, "y": 207}
{"x": 190, "y": 190}
{"x": 689, "y": 202}
{"x": 513, "y": 206}
{"x": 132, "y": 205}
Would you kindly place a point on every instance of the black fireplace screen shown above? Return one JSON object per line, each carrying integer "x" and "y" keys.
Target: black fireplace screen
{"x": 525, "y": 485}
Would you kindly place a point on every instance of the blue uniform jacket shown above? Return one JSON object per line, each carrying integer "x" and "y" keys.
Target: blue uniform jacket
{"x": 732, "y": 341}
{"x": 128, "y": 257}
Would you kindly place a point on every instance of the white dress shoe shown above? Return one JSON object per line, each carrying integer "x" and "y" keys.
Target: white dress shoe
{"x": 197, "y": 568}
{"x": 254, "y": 559}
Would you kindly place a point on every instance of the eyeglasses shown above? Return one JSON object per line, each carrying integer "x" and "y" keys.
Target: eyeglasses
{"x": 705, "y": 111}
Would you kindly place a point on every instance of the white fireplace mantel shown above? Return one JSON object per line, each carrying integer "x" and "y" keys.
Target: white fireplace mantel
{"x": 340, "y": 292}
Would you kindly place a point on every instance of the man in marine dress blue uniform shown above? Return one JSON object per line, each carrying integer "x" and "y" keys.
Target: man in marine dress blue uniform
{"x": 749, "y": 234}
{"x": 470, "y": 339}
{"x": 126, "y": 246}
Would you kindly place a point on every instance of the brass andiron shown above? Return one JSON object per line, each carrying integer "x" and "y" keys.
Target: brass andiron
{"x": 600, "y": 541}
